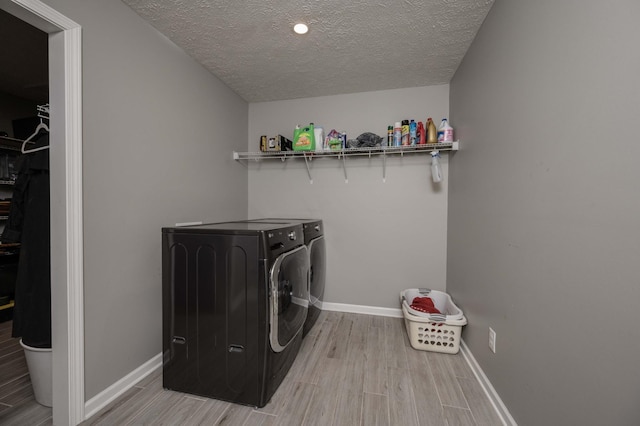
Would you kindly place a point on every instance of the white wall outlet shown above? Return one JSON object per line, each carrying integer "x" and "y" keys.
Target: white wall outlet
{"x": 492, "y": 340}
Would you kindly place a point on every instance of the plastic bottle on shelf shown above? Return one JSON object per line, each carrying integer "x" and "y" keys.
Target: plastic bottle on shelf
{"x": 445, "y": 131}
{"x": 421, "y": 134}
{"x": 318, "y": 131}
{"x": 343, "y": 136}
{"x": 397, "y": 134}
{"x": 432, "y": 133}
{"x": 448, "y": 133}
{"x": 436, "y": 170}
{"x": 413, "y": 128}
{"x": 405, "y": 132}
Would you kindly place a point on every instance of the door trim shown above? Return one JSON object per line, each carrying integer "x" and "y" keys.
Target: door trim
{"x": 65, "y": 98}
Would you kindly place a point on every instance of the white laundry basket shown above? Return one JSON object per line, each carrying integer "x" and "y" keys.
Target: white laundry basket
{"x": 433, "y": 332}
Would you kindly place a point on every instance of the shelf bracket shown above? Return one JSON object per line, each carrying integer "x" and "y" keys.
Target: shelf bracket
{"x": 306, "y": 162}
{"x": 384, "y": 166}
{"x": 344, "y": 167}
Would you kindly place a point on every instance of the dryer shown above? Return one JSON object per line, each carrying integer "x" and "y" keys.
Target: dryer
{"x": 235, "y": 298}
{"x": 315, "y": 242}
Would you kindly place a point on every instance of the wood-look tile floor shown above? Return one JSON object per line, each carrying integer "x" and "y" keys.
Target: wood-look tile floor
{"x": 351, "y": 370}
{"x": 17, "y": 404}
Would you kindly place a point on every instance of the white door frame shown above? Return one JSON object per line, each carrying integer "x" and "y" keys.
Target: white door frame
{"x": 65, "y": 99}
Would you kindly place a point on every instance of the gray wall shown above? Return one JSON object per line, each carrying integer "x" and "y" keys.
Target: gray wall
{"x": 544, "y": 208}
{"x": 157, "y": 141}
{"x": 381, "y": 237}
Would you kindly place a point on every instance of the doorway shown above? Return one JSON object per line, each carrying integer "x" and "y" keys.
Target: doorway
{"x": 65, "y": 100}
{"x": 25, "y": 305}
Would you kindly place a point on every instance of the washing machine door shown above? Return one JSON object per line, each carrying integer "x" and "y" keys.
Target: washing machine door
{"x": 289, "y": 301}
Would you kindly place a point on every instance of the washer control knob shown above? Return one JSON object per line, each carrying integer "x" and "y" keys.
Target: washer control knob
{"x": 292, "y": 235}
{"x": 317, "y": 227}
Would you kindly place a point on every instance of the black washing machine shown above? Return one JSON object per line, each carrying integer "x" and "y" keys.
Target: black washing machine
{"x": 315, "y": 241}
{"x": 235, "y": 299}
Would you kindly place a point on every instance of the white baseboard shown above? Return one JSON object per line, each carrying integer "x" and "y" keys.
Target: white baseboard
{"x": 360, "y": 309}
{"x": 108, "y": 395}
{"x": 488, "y": 388}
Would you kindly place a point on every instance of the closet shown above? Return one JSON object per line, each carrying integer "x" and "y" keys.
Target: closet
{"x": 24, "y": 95}
{"x": 27, "y": 232}
{"x": 9, "y": 252}
{"x": 24, "y": 120}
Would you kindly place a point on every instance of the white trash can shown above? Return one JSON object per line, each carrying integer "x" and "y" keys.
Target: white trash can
{"x": 40, "y": 365}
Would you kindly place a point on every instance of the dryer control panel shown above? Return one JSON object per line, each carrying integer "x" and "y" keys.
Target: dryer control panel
{"x": 284, "y": 239}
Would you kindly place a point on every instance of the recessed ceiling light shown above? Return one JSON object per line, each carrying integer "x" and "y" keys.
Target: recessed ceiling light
{"x": 300, "y": 28}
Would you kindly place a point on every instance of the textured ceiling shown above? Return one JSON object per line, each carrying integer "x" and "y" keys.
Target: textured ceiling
{"x": 352, "y": 45}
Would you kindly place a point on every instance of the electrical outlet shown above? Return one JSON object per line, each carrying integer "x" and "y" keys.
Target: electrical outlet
{"x": 492, "y": 340}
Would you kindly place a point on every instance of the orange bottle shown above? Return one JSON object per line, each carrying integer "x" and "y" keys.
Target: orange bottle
{"x": 432, "y": 132}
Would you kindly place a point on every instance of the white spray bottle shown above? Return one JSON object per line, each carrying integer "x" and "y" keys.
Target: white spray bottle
{"x": 436, "y": 170}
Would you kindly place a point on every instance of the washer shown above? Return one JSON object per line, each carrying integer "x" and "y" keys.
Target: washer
{"x": 315, "y": 241}
{"x": 235, "y": 299}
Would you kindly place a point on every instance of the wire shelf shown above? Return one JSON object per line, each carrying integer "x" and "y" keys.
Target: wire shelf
{"x": 383, "y": 151}
{"x": 348, "y": 152}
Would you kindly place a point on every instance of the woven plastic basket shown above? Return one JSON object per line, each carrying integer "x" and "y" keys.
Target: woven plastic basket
{"x": 433, "y": 332}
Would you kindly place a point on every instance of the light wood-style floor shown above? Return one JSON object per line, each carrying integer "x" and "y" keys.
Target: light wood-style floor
{"x": 17, "y": 404}
{"x": 351, "y": 370}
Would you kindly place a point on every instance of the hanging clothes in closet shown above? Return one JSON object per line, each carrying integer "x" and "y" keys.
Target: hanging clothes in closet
{"x": 28, "y": 224}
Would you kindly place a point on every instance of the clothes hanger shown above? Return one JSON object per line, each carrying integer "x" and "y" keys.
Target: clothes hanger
{"x": 41, "y": 126}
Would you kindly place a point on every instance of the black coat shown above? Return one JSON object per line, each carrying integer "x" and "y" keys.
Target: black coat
{"x": 28, "y": 223}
